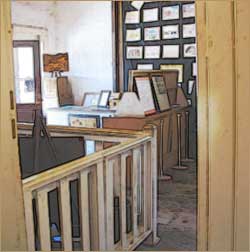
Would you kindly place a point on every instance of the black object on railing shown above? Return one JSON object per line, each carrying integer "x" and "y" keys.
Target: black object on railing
{"x": 116, "y": 219}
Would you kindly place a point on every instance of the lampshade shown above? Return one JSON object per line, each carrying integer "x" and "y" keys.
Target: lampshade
{"x": 56, "y": 63}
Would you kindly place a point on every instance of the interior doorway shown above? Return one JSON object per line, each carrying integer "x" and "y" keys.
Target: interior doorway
{"x": 27, "y": 78}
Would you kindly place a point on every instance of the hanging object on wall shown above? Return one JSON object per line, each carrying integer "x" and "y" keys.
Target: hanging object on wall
{"x": 56, "y": 64}
{"x": 137, "y": 4}
{"x": 190, "y": 87}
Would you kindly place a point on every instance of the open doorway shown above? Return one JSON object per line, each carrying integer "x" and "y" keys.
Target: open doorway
{"x": 167, "y": 40}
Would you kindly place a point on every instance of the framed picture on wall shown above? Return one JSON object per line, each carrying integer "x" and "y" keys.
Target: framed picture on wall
{"x": 188, "y": 10}
{"x": 170, "y": 32}
{"x": 132, "y": 17}
{"x": 194, "y": 69}
{"x": 171, "y": 12}
{"x": 144, "y": 91}
{"x": 189, "y": 50}
{"x": 150, "y": 15}
{"x": 189, "y": 31}
{"x": 171, "y": 51}
{"x": 133, "y": 35}
{"x": 144, "y": 66}
{"x": 178, "y": 67}
{"x": 152, "y": 33}
{"x": 85, "y": 121}
{"x": 134, "y": 52}
{"x": 152, "y": 52}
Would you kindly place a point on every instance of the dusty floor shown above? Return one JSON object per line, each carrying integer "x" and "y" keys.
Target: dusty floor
{"x": 177, "y": 211}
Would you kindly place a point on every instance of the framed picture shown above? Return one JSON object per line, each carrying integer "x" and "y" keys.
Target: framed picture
{"x": 137, "y": 4}
{"x": 171, "y": 51}
{"x": 133, "y": 35}
{"x": 90, "y": 99}
{"x": 132, "y": 17}
{"x": 144, "y": 91}
{"x": 179, "y": 68}
{"x": 160, "y": 92}
{"x": 189, "y": 31}
{"x": 104, "y": 98}
{"x": 170, "y": 32}
{"x": 144, "y": 66}
{"x": 194, "y": 69}
{"x": 134, "y": 52}
{"x": 171, "y": 12}
{"x": 152, "y": 52}
{"x": 85, "y": 121}
{"x": 150, "y": 15}
{"x": 152, "y": 33}
{"x": 190, "y": 87}
{"x": 189, "y": 50}
{"x": 188, "y": 10}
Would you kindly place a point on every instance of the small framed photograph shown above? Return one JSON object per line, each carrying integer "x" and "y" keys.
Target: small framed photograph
{"x": 178, "y": 67}
{"x": 152, "y": 33}
{"x": 194, "y": 69}
{"x": 189, "y": 50}
{"x": 132, "y": 17}
{"x": 150, "y": 15}
{"x": 170, "y": 32}
{"x": 85, "y": 121}
{"x": 90, "y": 99}
{"x": 171, "y": 51}
{"x": 134, "y": 52}
{"x": 152, "y": 52}
{"x": 133, "y": 35}
{"x": 188, "y": 10}
{"x": 144, "y": 66}
{"x": 104, "y": 98}
{"x": 171, "y": 12}
{"x": 189, "y": 31}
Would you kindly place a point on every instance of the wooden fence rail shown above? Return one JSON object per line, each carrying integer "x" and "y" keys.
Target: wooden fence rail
{"x": 116, "y": 192}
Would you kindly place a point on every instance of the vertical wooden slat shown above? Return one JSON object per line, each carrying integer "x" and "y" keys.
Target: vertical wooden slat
{"x": 101, "y": 207}
{"x": 109, "y": 205}
{"x": 29, "y": 220}
{"x": 66, "y": 214}
{"x": 123, "y": 201}
{"x": 145, "y": 187}
{"x": 136, "y": 154}
{"x": 84, "y": 193}
{"x": 43, "y": 215}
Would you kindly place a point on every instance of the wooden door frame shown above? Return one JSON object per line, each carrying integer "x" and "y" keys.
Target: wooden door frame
{"x": 35, "y": 45}
{"x": 14, "y": 235}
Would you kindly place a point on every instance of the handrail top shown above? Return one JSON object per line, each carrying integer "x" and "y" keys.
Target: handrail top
{"x": 86, "y": 131}
{"x": 55, "y": 174}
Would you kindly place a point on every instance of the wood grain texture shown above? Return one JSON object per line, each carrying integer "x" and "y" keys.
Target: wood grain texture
{"x": 13, "y": 232}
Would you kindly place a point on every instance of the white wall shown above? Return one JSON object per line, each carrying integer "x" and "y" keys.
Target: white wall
{"x": 83, "y": 29}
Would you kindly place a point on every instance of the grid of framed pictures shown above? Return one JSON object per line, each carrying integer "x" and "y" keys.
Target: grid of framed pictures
{"x": 157, "y": 24}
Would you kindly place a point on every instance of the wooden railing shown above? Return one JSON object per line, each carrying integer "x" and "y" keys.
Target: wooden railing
{"x": 117, "y": 192}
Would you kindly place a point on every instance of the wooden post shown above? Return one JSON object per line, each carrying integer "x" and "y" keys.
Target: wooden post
{"x": 13, "y": 231}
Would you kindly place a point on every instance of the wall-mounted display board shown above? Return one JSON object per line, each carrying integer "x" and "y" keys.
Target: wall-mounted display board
{"x": 161, "y": 37}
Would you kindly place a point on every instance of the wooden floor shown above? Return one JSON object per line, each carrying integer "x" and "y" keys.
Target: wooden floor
{"x": 177, "y": 212}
